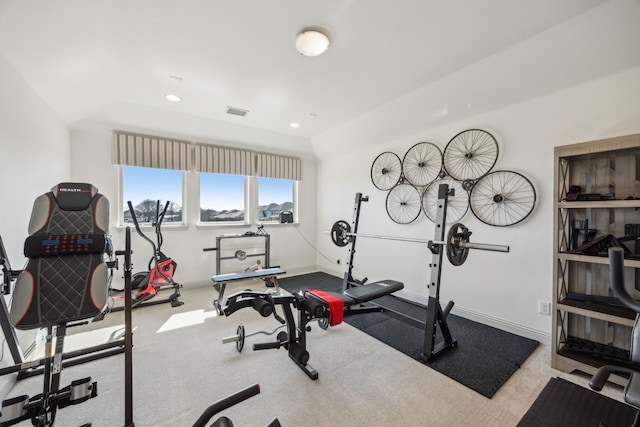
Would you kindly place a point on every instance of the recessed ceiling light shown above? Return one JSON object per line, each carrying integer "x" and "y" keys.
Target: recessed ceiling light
{"x": 295, "y": 125}
{"x": 312, "y": 43}
{"x": 174, "y": 98}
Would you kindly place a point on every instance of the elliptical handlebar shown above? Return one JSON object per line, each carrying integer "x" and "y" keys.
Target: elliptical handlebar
{"x": 137, "y": 225}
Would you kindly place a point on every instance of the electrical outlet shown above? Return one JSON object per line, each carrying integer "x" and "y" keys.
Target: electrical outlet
{"x": 544, "y": 307}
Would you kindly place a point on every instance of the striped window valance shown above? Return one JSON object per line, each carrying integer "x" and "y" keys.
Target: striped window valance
{"x": 274, "y": 166}
{"x": 133, "y": 149}
{"x": 214, "y": 159}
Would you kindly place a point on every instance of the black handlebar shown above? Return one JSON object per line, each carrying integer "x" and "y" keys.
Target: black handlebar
{"x": 225, "y": 403}
{"x": 616, "y": 277}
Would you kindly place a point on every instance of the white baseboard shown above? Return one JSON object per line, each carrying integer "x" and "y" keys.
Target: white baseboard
{"x": 496, "y": 322}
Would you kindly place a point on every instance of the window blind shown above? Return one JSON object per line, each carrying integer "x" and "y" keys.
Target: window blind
{"x": 133, "y": 149}
{"x": 274, "y": 166}
{"x": 215, "y": 159}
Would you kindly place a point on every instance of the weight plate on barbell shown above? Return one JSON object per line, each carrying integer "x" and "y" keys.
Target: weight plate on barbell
{"x": 458, "y": 234}
{"x": 339, "y": 232}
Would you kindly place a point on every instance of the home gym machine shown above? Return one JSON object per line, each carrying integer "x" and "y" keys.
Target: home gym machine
{"x": 146, "y": 285}
{"x": 329, "y": 307}
{"x": 456, "y": 247}
{"x": 310, "y": 305}
{"x": 64, "y": 282}
{"x": 243, "y": 270}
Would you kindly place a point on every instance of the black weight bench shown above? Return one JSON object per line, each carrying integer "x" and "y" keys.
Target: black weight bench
{"x": 311, "y": 305}
{"x": 368, "y": 292}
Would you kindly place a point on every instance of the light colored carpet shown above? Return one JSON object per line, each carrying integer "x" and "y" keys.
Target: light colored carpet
{"x": 181, "y": 367}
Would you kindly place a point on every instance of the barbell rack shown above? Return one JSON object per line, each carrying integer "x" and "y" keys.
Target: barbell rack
{"x": 456, "y": 246}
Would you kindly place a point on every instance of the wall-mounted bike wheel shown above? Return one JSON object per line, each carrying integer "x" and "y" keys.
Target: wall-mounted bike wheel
{"x": 386, "y": 171}
{"x": 422, "y": 163}
{"x": 457, "y": 203}
{"x": 502, "y": 198}
{"x": 470, "y": 155}
{"x": 404, "y": 203}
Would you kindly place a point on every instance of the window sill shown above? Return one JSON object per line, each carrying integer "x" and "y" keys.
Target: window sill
{"x": 144, "y": 227}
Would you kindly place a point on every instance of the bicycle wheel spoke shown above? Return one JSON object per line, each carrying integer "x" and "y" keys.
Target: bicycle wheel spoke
{"x": 457, "y": 204}
{"x": 386, "y": 171}
{"x": 502, "y": 198}
{"x": 470, "y": 155}
{"x": 403, "y": 203}
{"x": 422, "y": 163}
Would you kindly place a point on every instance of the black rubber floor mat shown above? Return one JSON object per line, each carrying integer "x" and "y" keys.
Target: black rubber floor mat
{"x": 484, "y": 359}
{"x": 565, "y": 404}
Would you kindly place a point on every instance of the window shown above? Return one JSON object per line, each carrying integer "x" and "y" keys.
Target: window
{"x": 274, "y": 197}
{"x": 145, "y": 186}
{"x": 222, "y": 197}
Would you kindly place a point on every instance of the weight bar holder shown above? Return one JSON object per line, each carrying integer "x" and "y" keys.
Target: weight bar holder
{"x": 436, "y": 316}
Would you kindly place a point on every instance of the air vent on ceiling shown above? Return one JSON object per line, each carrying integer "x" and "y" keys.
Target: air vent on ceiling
{"x": 237, "y": 111}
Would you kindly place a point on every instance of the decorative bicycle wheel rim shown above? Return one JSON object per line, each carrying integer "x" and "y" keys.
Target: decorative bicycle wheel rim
{"x": 502, "y": 198}
{"x": 403, "y": 203}
{"x": 422, "y": 163}
{"x": 386, "y": 171}
{"x": 457, "y": 204}
{"x": 470, "y": 155}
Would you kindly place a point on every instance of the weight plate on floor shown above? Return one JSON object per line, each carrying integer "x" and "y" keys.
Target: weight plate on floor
{"x": 240, "y": 342}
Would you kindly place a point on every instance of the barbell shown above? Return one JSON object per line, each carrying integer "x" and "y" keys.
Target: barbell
{"x": 457, "y": 243}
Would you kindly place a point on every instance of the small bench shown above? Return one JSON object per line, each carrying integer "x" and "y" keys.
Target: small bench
{"x": 220, "y": 281}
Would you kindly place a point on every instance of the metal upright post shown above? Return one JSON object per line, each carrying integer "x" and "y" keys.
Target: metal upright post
{"x": 348, "y": 278}
{"x": 128, "y": 354}
{"x": 435, "y": 315}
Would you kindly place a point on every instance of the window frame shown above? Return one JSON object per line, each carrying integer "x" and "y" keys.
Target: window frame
{"x": 294, "y": 201}
{"x": 247, "y": 202}
{"x": 122, "y": 203}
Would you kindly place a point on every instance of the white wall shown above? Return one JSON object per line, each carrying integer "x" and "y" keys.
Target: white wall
{"x": 34, "y": 156}
{"x": 91, "y": 162}
{"x": 578, "y": 99}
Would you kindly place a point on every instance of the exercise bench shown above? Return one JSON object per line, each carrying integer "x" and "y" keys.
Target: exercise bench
{"x": 220, "y": 281}
{"x": 311, "y": 305}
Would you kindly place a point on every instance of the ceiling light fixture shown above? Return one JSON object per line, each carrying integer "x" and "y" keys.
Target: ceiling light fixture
{"x": 295, "y": 125}
{"x": 312, "y": 42}
{"x": 173, "y": 98}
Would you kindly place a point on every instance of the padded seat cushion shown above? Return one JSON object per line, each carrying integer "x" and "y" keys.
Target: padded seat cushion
{"x": 373, "y": 290}
{"x": 66, "y": 278}
{"x": 632, "y": 391}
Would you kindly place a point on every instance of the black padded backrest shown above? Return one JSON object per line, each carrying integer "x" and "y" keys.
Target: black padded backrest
{"x": 66, "y": 277}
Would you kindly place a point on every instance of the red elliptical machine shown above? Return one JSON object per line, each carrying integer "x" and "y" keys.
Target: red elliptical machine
{"x": 146, "y": 285}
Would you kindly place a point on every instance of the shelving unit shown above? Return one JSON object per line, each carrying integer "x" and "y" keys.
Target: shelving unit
{"x": 589, "y": 328}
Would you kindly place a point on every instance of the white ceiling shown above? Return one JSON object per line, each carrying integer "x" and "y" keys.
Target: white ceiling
{"x": 86, "y": 58}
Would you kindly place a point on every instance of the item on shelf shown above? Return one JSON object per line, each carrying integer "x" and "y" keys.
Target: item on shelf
{"x": 573, "y": 193}
{"x": 632, "y": 230}
{"x": 600, "y": 299}
{"x": 599, "y": 246}
{"x": 601, "y": 351}
{"x": 576, "y": 227}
